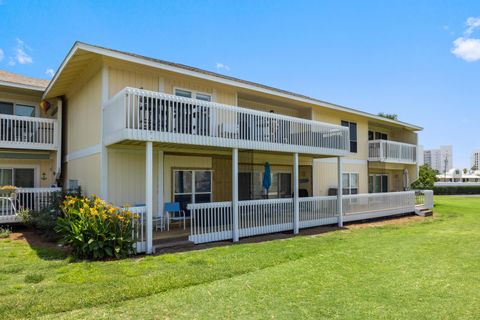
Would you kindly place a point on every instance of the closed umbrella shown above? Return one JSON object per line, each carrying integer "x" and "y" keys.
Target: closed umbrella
{"x": 406, "y": 180}
{"x": 267, "y": 179}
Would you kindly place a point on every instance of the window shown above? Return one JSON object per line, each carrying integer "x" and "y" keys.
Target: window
{"x": 353, "y": 134}
{"x": 193, "y": 94}
{"x": 374, "y": 135}
{"x": 377, "y": 183}
{"x": 192, "y": 186}
{"x": 19, "y": 177}
{"x": 350, "y": 183}
{"x": 17, "y": 109}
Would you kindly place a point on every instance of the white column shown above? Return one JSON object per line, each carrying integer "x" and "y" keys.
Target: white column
{"x": 104, "y": 153}
{"x": 296, "y": 219}
{"x": 340, "y": 192}
{"x": 235, "y": 234}
{"x": 160, "y": 184}
{"x": 149, "y": 196}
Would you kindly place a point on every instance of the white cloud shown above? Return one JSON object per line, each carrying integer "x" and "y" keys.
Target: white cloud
{"x": 467, "y": 47}
{"x": 223, "y": 66}
{"x": 11, "y": 61}
{"x": 1, "y": 53}
{"x": 50, "y": 72}
{"x": 21, "y": 55}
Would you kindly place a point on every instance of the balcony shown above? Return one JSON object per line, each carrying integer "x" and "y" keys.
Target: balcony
{"x": 18, "y": 132}
{"x": 134, "y": 114}
{"x": 392, "y": 152}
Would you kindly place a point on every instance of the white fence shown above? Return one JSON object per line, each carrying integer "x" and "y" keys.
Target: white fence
{"x": 34, "y": 199}
{"x": 138, "y": 227}
{"x": 134, "y": 114}
{"x": 213, "y": 221}
{"x": 27, "y": 132}
{"x": 392, "y": 151}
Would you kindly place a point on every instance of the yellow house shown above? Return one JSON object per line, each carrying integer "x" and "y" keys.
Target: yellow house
{"x": 239, "y": 158}
{"x": 30, "y": 139}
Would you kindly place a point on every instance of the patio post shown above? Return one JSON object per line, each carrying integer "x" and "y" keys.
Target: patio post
{"x": 296, "y": 218}
{"x": 160, "y": 185}
{"x": 340, "y": 192}
{"x": 149, "y": 196}
{"x": 235, "y": 232}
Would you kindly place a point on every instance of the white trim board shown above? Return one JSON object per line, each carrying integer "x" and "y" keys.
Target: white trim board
{"x": 344, "y": 161}
{"x": 83, "y": 153}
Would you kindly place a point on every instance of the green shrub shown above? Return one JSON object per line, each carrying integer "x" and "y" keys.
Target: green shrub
{"x": 4, "y": 232}
{"x": 96, "y": 230}
{"x": 45, "y": 220}
{"x": 453, "y": 190}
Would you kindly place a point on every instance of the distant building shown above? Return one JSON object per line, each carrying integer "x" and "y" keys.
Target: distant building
{"x": 440, "y": 159}
{"x": 474, "y": 160}
{"x": 456, "y": 177}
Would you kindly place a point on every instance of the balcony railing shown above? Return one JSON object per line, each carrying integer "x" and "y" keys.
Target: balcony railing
{"x": 134, "y": 114}
{"x": 392, "y": 151}
{"x": 27, "y": 132}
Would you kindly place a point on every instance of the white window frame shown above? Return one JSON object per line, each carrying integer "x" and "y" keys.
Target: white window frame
{"x": 36, "y": 172}
{"x": 349, "y": 188}
{"x": 194, "y": 93}
{"x": 193, "y": 192}
{"x": 23, "y": 103}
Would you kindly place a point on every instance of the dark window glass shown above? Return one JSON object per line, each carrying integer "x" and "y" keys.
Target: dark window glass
{"x": 353, "y": 134}
{"x": 6, "y": 108}
{"x": 370, "y": 135}
{"x": 183, "y": 93}
{"x": 183, "y": 181}
{"x": 202, "y": 197}
{"x": 183, "y": 199}
{"x": 384, "y": 183}
{"x": 24, "y": 178}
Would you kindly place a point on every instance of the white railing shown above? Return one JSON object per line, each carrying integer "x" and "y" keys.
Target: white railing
{"x": 210, "y": 221}
{"x": 28, "y": 132}
{"x": 134, "y": 114}
{"x": 138, "y": 227}
{"x": 264, "y": 216}
{"x": 213, "y": 221}
{"x": 392, "y": 151}
{"x": 424, "y": 198}
{"x": 373, "y": 205}
{"x": 317, "y": 211}
{"x": 33, "y": 199}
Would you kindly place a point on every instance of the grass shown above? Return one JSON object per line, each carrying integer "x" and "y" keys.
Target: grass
{"x": 420, "y": 270}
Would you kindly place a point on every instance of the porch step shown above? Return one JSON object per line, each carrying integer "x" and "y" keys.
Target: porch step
{"x": 424, "y": 212}
{"x": 160, "y": 245}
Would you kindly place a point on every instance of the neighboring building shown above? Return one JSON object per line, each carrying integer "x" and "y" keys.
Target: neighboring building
{"x": 456, "y": 177}
{"x": 147, "y": 132}
{"x": 440, "y": 159}
{"x": 474, "y": 160}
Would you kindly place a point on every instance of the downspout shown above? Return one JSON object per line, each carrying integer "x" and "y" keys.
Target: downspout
{"x": 58, "y": 171}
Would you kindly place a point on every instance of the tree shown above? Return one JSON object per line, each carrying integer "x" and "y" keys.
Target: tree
{"x": 391, "y": 116}
{"x": 465, "y": 170}
{"x": 426, "y": 178}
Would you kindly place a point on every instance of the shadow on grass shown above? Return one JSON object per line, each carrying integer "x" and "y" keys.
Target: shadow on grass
{"x": 45, "y": 249}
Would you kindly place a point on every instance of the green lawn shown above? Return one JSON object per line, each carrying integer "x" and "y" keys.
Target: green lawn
{"x": 427, "y": 269}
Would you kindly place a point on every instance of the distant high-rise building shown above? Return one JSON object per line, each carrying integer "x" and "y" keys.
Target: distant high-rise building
{"x": 474, "y": 160}
{"x": 440, "y": 159}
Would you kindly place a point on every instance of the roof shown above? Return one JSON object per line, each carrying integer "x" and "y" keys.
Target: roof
{"x": 213, "y": 76}
{"x": 20, "y": 81}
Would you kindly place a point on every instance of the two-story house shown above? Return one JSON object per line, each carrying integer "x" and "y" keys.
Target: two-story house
{"x": 240, "y": 158}
{"x": 30, "y": 138}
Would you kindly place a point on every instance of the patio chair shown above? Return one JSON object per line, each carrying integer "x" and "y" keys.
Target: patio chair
{"x": 174, "y": 213}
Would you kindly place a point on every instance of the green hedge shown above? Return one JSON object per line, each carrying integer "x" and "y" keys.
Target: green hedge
{"x": 456, "y": 190}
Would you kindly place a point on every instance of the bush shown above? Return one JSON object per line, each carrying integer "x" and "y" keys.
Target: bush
{"x": 95, "y": 229}
{"x": 4, "y": 232}
{"x": 45, "y": 220}
{"x": 453, "y": 190}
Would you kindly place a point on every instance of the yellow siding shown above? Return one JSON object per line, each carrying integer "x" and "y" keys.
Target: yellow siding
{"x": 325, "y": 176}
{"x": 44, "y": 169}
{"x": 87, "y": 171}
{"x": 120, "y": 78}
{"x": 84, "y": 115}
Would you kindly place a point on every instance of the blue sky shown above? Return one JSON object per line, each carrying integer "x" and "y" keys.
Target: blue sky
{"x": 377, "y": 56}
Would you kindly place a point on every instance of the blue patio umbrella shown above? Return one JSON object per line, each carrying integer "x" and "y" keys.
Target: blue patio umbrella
{"x": 267, "y": 179}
